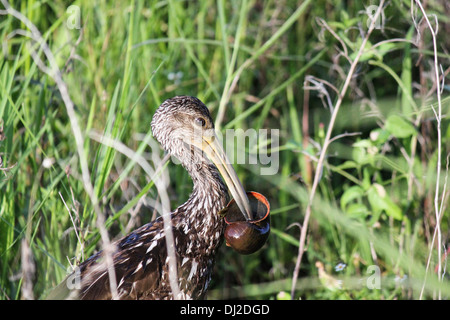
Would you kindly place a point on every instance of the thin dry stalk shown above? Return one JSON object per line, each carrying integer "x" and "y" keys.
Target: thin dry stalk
{"x": 161, "y": 185}
{"x": 71, "y": 218}
{"x": 438, "y": 115}
{"x": 326, "y": 144}
{"x": 28, "y": 270}
{"x": 55, "y": 73}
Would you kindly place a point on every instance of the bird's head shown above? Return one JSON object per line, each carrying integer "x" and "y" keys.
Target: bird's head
{"x": 179, "y": 124}
{"x": 184, "y": 127}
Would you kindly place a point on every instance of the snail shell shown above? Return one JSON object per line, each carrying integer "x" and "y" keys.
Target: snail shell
{"x": 244, "y": 236}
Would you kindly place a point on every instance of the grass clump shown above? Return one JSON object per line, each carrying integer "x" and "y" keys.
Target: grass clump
{"x": 258, "y": 65}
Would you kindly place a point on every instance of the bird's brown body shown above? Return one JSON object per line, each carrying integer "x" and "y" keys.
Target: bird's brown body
{"x": 140, "y": 259}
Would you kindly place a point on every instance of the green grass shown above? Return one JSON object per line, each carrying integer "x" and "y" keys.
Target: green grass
{"x": 375, "y": 199}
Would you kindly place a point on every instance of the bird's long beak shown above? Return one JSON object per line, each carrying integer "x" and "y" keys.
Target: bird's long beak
{"x": 214, "y": 150}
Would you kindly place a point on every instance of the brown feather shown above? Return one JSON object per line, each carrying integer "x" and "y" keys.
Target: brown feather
{"x": 140, "y": 258}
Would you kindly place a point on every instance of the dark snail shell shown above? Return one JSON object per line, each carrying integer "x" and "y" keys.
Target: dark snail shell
{"x": 244, "y": 236}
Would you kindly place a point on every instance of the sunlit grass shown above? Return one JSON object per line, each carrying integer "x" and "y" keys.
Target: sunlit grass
{"x": 248, "y": 62}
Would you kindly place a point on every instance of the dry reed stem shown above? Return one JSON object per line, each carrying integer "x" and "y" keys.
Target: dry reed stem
{"x": 55, "y": 73}
{"x": 162, "y": 186}
{"x": 438, "y": 114}
{"x": 326, "y": 143}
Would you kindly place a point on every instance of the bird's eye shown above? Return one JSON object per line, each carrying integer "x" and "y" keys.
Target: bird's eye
{"x": 200, "y": 122}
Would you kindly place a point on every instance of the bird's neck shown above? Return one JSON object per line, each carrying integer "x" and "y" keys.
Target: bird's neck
{"x": 199, "y": 215}
{"x": 209, "y": 191}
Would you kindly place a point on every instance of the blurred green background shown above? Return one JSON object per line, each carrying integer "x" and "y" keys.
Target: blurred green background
{"x": 373, "y": 218}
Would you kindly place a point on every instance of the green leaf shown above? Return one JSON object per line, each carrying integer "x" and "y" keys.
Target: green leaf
{"x": 352, "y": 193}
{"x": 375, "y": 200}
{"x": 367, "y": 54}
{"x": 380, "y": 201}
{"x": 386, "y": 47}
{"x": 348, "y": 165}
{"x": 399, "y": 127}
{"x": 359, "y": 155}
{"x": 284, "y": 236}
{"x": 364, "y": 143}
{"x": 379, "y": 136}
{"x": 392, "y": 209}
{"x": 357, "y": 210}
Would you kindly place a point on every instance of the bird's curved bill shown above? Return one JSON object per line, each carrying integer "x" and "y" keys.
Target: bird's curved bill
{"x": 212, "y": 147}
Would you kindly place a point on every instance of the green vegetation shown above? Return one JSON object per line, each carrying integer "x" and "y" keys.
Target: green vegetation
{"x": 373, "y": 229}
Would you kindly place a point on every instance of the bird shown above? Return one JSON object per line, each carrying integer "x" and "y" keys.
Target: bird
{"x": 185, "y": 129}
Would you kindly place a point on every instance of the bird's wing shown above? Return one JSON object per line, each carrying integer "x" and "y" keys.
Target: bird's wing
{"x": 138, "y": 261}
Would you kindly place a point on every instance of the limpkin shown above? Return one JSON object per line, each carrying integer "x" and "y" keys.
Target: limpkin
{"x": 184, "y": 128}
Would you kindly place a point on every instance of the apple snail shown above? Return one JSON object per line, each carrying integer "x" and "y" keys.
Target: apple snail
{"x": 247, "y": 236}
